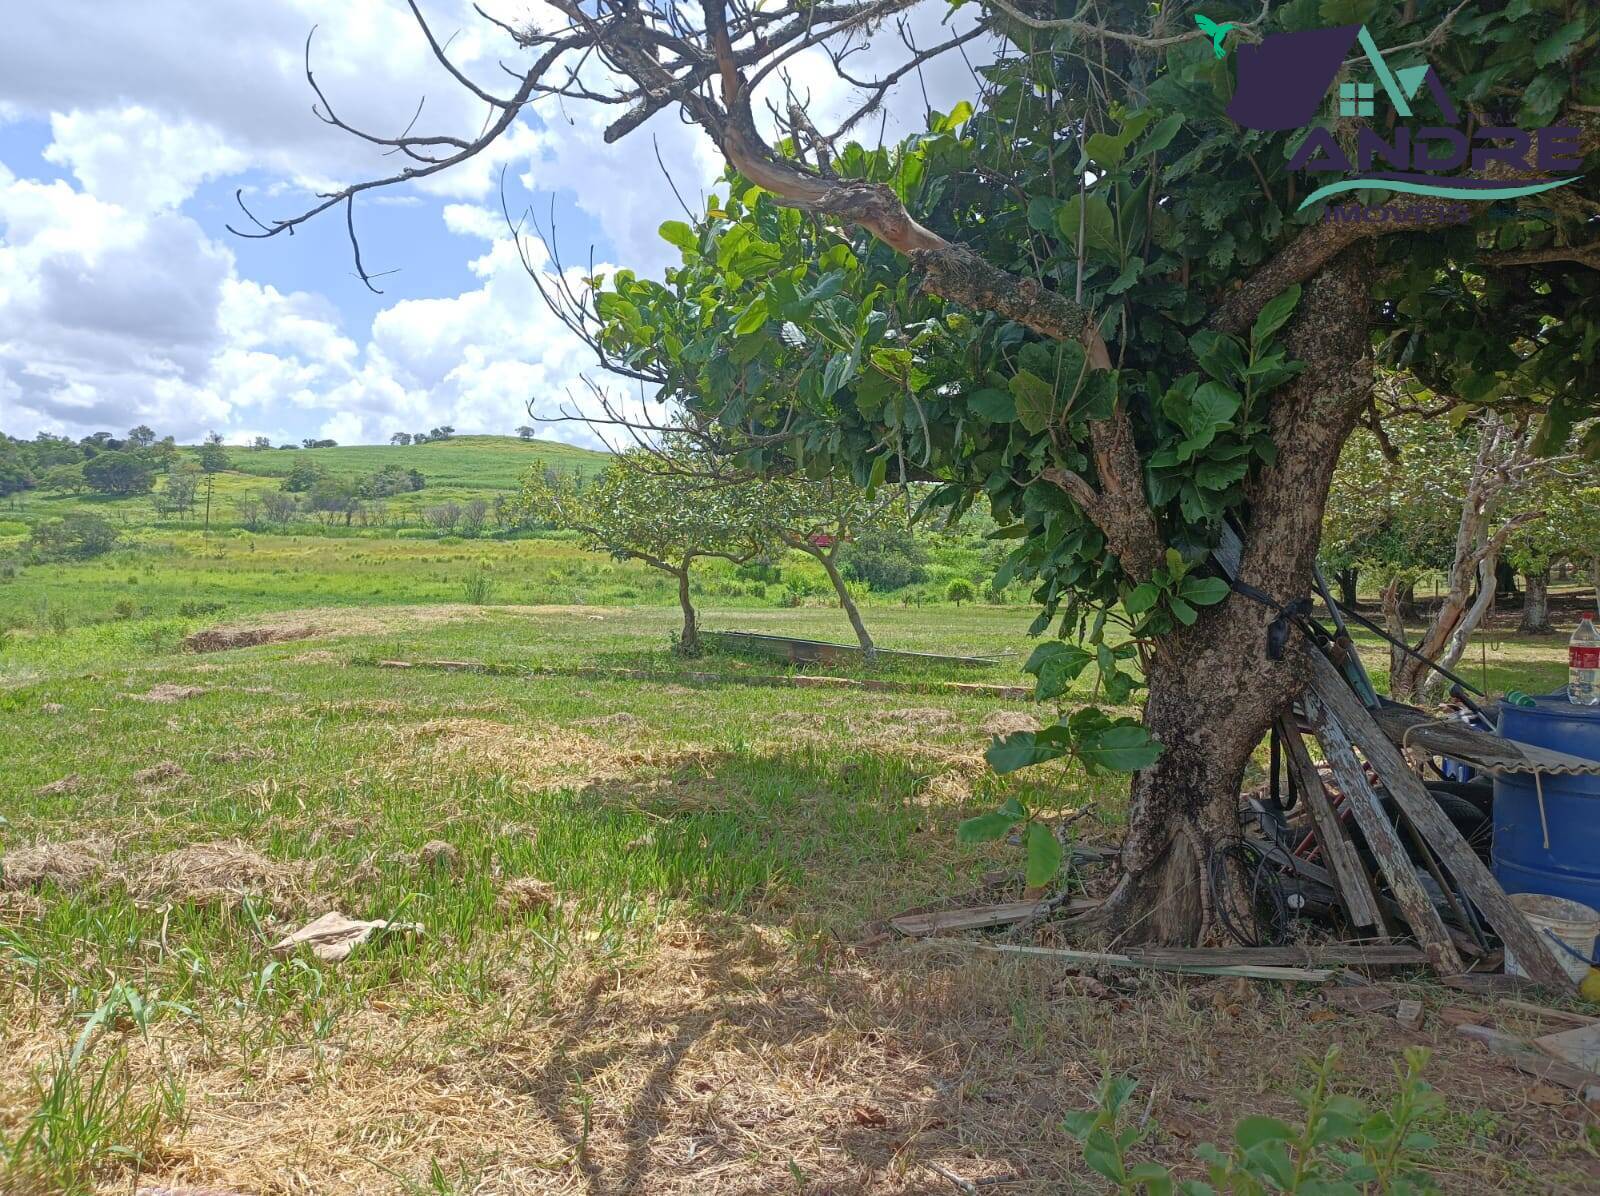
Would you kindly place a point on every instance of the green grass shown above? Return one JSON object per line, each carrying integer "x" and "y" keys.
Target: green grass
{"x": 477, "y": 463}
{"x": 711, "y": 845}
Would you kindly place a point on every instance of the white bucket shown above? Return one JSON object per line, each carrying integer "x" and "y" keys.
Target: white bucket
{"x": 1572, "y": 923}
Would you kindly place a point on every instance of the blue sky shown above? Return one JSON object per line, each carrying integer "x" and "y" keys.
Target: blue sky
{"x": 126, "y": 129}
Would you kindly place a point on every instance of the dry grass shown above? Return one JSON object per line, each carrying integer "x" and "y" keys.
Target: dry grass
{"x": 168, "y": 692}
{"x": 68, "y": 866}
{"x": 220, "y": 873}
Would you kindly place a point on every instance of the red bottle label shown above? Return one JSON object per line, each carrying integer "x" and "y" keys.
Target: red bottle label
{"x": 1583, "y": 657}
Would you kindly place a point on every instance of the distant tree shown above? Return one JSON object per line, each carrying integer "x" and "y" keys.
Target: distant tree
{"x": 332, "y": 500}
{"x": 15, "y": 477}
{"x": 176, "y": 496}
{"x": 526, "y": 431}
{"x": 99, "y": 442}
{"x": 63, "y": 479}
{"x": 420, "y": 438}
{"x": 400, "y": 438}
{"x": 212, "y": 456}
{"x": 311, "y": 442}
{"x": 141, "y": 437}
{"x": 1567, "y": 532}
{"x": 959, "y": 590}
{"x": 257, "y": 443}
{"x": 163, "y": 453}
{"x": 304, "y": 474}
{"x": 115, "y": 472}
{"x": 248, "y": 509}
{"x": 886, "y": 557}
{"x": 473, "y": 516}
{"x": 72, "y": 537}
{"x": 414, "y": 476}
{"x": 445, "y": 516}
{"x": 442, "y": 433}
{"x": 279, "y": 506}
{"x": 287, "y": 445}
{"x": 213, "y": 437}
{"x": 635, "y": 510}
{"x": 389, "y": 481}
{"x": 819, "y": 518}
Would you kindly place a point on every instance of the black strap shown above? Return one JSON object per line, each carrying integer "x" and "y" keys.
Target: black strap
{"x": 1296, "y": 612}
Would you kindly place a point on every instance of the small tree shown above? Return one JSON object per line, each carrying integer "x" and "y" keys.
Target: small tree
{"x": 635, "y": 509}
{"x": 526, "y": 431}
{"x": 959, "y": 590}
{"x": 401, "y": 439}
{"x": 257, "y": 443}
{"x": 176, "y": 496}
{"x": 473, "y": 516}
{"x": 72, "y": 537}
{"x": 279, "y": 506}
{"x": 304, "y": 474}
{"x": 1568, "y": 532}
{"x": 213, "y": 460}
{"x": 63, "y": 479}
{"x": 248, "y": 509}
{"x": 141, "y": 437}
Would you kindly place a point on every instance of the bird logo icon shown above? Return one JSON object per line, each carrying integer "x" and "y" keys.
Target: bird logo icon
{"x": 1215, "y": 32}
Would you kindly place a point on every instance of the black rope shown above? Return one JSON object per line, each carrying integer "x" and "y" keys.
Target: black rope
{"x": 1265, "y": 920}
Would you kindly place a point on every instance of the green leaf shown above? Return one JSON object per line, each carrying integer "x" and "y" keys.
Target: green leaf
{"x": 1099, "y": 226}
{"x": 1035, "y": 400}
{"x": 1157, "y": 1180}
{"x": 1141, "y": 599}
{"x": 1213, "y": 406}
{"x": 1124, "y": 747}
{"x": 1100, "y": 1155}
{"x": 1203, "y": 591}
{"x": 880, "y": 470}
{"x": 1025, "y": 748}
{"x": 993, "y": 404}
{"x": 1275, "y": 314}
{"x": 1080, "y": 1122}
{"x": 1044, "y": 855}
{"x": 1161, "y": 136}
{"x": 1182, "y": 611}
{"x": 753, "y": 319}
{"x": 1105, "y": 149}
{"x": 1255, "y": 1130}
{"x": 1058, "y": 672}
{"x": 1559, "y": 44}
{"x": 841, "y": 368}
{"x": 676, "y": 232}
{"x": 982, "y": 829}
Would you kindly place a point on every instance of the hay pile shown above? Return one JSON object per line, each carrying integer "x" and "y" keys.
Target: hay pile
{"x": 68, "y": 866}
{"x": 219, "y": 873}
{"x": 167, "y": 692}
{"x": 539, "y": 760}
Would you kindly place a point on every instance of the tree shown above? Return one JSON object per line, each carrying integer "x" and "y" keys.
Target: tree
{"x": 887, "y": 557}
{"x": 1099, "y": 304}
{"x": 304, "y": 474}
{"x": 248, "y": 509}
{"x": 141, "y": 437}
{"x": 114, "y": 472}
{"x": 445, "y": 516}
{"x": 333, "y": 500}
{"x": 1567, "y": 531}
{"x": 442, "y": 433}
{"x": 473, "y": 516}
{"x": 279, "y": 506}
{"x": 819, "y": 517}
{"x": 72, "y": 537}
{"x": 527, "y": 431}
{"x": 176, "y": 496}
{"x": 635, "y": 509}
{"x": 15, "y": 477}
{"x": 63, "y": 479}
{"x": 960, "y": 590}
{"x": 257, "y": 443}
{"x": 400, "y": 438}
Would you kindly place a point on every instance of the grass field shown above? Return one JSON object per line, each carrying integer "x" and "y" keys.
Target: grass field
{"x": 647, "y": 960}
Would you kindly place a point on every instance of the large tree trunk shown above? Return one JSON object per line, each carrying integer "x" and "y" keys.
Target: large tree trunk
{"x": 1536, "y": 603}
{"x": 1212, "y": 691}
{"x": 689, "y": 638}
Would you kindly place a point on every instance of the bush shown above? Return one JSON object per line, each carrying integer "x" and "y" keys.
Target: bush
{"x": 72, "y": 537}
{"x": 959, "y": 590}
{"x": 305, "y": 474}
{"x": 119, "y": 473}
{"x": 479, "y": 585}
{"x": 123, "y": 608}
{"x": 885, "y": 559}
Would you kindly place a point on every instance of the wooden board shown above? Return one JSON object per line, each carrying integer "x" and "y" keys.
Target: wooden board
{"x": 1328, "y": 955}
{"x": 1114, "y": 960}
{"x": 1384, "y": 842}
{"x": 1580, "y": 1047}
{"x": 1476, "y": 882}
{"x": 979, "y": 917}
{"x": 1355, "y": 886}
{"x": 1530, "y": 1061}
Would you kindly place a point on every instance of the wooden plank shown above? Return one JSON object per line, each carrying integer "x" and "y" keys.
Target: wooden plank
{"x": 1475, "y": 881}
{"x": 1329, "y": 955}
{"x": 1548, "y": 1014}
{"x": 1393, "y": 862}
{"x": 979, "y": 917}
{"x": 1579, "y": 1047}
{"x": 1113, "y": 960}
{"x": 1355, "y": 886}
{"x": 1531, "y": 1061}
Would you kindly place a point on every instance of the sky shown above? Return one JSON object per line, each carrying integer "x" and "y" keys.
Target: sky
{"x": 127, "y": 129}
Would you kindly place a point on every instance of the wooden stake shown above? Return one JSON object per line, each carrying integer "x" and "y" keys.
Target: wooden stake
{"x": 1393, "y": 862}
{"x": 1476, "y": 882}
{"x": 1355, "y": 886}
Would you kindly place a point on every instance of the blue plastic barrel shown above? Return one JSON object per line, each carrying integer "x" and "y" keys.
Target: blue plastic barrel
{"x": 1570, "y": 866}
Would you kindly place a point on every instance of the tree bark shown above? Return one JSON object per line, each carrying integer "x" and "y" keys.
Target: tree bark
{"x": 689, "y": 638}
{"x": 848, "y": 603}
{"x": 1536, "y": 603}
{"x": 1212, "y": 691}
{"x": 1346, "y": 579}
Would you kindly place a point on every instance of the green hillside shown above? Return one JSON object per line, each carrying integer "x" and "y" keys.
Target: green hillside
{"x": 476, "y": 463}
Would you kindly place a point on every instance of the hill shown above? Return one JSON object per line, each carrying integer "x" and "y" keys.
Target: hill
{"x": 475, "y": 463}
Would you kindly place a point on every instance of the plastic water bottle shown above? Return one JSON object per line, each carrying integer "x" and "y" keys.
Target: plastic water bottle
{"x": 1583, "y": 665}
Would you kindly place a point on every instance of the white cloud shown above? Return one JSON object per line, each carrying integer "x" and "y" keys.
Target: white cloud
{"x": 138, "y": 158}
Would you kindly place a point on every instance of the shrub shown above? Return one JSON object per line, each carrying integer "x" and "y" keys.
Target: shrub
{"x": 123, "y": 608}
{"x": 72, "y": 537}
{"x": 479, "y": 585}
{"x": 885, "y": 559}
{"x": 959, "y": 590}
